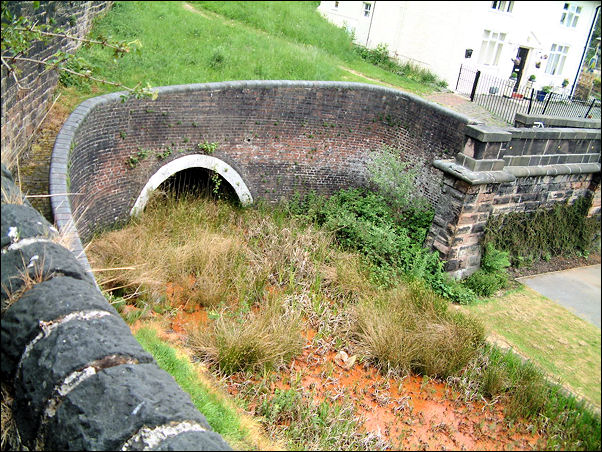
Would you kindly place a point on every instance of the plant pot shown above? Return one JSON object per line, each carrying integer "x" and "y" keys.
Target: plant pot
{"x": 541, "y": 95}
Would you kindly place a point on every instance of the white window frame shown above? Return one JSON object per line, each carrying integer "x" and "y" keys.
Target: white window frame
{"x": 503, "y": 6}
{"x": 556, "y": 59}
{"x": 491, "y": 47}
{"x": 570, "y": 15}
{"x": 367, "y": 9}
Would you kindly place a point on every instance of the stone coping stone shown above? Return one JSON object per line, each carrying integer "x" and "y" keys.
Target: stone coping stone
{"x": 473, "y": 177}
{"x": 26, "y": 221}
{"x": 487, "y": 133}
{"x": 553, "y": 170}
{"x": 556, "y": 133}
{"x": 193, "y": 441}
{"x": 71, "y": 346}
{"x": 510, "y": 173}
{"x": 46, "y": 301}
{"x": 557, "y": 121}
{"x": 40, "y": 260}
{"x": 107, "y": 409}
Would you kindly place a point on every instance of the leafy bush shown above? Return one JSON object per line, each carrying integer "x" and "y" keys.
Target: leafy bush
{"x": 492, "y": 275}
{"x": 380, "y": 57}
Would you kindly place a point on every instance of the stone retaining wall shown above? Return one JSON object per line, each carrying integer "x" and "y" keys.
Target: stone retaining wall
{"x": 24, "y": 109}
{"x": 80, "y": 379}
{"x": 518, "y": 169}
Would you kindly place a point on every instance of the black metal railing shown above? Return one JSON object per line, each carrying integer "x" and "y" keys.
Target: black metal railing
{"x": 504, "y": 97}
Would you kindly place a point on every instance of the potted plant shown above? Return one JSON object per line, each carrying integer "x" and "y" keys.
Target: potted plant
{"x": 532, "y": 78}
{"x": 565, "y": 83}
{"x": 541, "y": 94}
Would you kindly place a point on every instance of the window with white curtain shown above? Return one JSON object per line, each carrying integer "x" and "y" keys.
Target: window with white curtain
{"x": 556, "y": 59}
{"x": 491, "y": 47}
{"x": 570, "y": 15}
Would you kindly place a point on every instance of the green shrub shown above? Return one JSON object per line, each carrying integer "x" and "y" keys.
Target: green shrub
{"x": 485, "y": 283}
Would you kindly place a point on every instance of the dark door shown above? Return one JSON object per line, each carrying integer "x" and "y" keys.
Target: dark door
{"x": 519, "y": 64}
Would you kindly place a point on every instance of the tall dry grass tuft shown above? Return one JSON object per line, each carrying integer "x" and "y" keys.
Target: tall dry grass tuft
{"x": 178, "y": 247}
{"x": 10, "y": 439}
{"x": 266, "y": 338}
{"x": 410, "y": 330}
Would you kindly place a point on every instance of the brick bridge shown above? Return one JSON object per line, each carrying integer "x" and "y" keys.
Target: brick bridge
{"x": 271, "y": 139}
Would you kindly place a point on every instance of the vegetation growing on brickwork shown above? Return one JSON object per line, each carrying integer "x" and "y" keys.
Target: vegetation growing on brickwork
{"x": 492, "y": 276}
{"x": 564, "y": 229}
{"x": 207, "y": 148}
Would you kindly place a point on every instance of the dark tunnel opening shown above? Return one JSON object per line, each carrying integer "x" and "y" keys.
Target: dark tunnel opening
{"x": 198, "y": 182}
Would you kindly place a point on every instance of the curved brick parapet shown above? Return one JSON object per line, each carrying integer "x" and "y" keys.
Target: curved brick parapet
{"x": 280, "y": 137}
{"x": 80, "y": 379}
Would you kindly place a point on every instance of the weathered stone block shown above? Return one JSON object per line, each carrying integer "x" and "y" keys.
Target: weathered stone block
{"x": 107, "y": 409}
{"x": 45, "y": 302}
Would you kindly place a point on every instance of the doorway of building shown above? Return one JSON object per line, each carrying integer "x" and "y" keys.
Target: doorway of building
{"x": 519, "y": 65}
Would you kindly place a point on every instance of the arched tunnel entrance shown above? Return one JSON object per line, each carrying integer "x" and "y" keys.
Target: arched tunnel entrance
{"x": 195, "y": 174}
{"x": 198, "y": 182}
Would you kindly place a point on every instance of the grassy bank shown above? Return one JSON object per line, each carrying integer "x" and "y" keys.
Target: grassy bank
{"x": 216, "y": 41}
{"x": 266, "y": 277}
{"x": 571, "y": 349}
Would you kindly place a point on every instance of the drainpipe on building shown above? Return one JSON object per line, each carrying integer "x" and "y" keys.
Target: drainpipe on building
{"x": 371, "y": 17}
{"x": 589, "y": 37}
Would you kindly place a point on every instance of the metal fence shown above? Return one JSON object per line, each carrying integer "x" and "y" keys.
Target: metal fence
{"x": 504, "y": 97}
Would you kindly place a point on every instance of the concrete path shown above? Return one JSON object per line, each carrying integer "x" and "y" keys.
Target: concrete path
{"x": 463, "y": 105}
{"x": 577, "y": 289}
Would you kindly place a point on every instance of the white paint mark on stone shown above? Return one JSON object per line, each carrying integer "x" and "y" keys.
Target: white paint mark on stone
{"x": 13, "y": 233}
{"x": 32, "y": 260}
{"x": 152, "y": 437}
{"x": 25, "y": 242}
{"x": 50, "y": 326}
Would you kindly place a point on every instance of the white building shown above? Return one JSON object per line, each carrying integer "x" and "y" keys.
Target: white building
{"x": 541, "y": 38}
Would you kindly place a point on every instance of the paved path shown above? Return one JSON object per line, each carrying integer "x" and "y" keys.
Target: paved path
{"x": 463, "y": 105}
{"x": 577, "y": 289}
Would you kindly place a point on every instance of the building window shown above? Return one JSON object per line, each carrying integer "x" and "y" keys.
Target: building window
{"x": 505, "y": 7}
{"x": 491, "y": 48}
{"x": 556, "y": 59}
{"x": 367, "y": 9}
{"x": 570, "y": 15}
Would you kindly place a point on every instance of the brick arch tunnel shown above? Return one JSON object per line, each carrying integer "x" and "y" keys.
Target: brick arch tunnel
{"x": 180, "y": 165}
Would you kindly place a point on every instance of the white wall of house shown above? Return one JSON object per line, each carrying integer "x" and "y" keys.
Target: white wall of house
{"x": 436, "y": 34}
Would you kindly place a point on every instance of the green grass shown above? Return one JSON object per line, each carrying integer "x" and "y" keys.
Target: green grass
{"x": 222, "y": 418}
{"x": 571, "y": 348}
{"x": 250, "y": 41}
{"x": 565, "y": 422}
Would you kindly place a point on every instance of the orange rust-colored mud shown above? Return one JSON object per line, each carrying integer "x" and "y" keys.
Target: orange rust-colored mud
{"x": 411, "y": 413}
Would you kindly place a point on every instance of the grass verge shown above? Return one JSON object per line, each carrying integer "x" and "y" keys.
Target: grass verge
{"x": 219, "y": 412}
{"x": 572, "y": 346}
